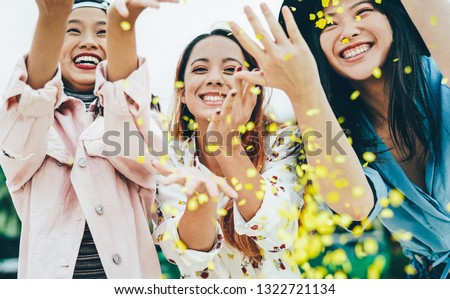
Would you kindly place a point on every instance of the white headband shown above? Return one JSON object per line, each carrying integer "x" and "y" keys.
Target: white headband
{"x": 104, "y": 5}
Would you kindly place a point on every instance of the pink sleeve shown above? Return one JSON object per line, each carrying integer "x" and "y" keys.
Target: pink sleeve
{"x": 25, "y": 118}
{"x": 133, "y": 133}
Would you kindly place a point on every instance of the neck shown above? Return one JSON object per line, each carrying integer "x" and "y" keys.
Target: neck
{"x": 375, "y": 96}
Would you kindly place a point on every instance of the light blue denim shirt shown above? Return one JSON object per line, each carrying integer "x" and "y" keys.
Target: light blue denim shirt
{"x": 425, "y": 215}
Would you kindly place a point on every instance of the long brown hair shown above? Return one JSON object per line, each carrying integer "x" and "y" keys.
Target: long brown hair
{"x": 253, "y": 141}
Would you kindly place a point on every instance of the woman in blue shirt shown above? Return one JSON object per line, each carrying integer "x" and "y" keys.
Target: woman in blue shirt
{"x": 373, "y": 67}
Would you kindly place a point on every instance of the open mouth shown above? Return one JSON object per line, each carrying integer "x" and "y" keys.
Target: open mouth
{"x": 353, "y": 52}
{"x": 213, "y": 98}
{"x": 86, "y": 61}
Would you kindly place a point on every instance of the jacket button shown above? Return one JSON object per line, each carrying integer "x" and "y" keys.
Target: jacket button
{"x": 117, "y": 259}
{"x": 100, "y": 209}
{"x": 82, "y": 162}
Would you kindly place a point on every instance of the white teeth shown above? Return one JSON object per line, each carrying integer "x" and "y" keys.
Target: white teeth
{"x": 356, "y": 51}
{"x": 213, "y": 98}
{"x": 87, "y": 60}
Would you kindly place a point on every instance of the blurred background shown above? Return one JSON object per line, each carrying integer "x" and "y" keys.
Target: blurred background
{"x": 162, "y": 35}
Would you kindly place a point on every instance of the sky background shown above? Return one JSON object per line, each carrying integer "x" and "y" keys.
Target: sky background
{"x": 161, "y": 34}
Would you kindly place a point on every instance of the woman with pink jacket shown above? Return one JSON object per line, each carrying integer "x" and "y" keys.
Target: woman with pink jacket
{"x": 84, "y": 206}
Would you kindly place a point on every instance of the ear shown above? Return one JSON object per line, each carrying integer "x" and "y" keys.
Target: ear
{"x": 181, "y": 96}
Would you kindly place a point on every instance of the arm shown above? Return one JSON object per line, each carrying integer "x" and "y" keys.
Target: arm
{"x": 431, "y": 18}
{"x": 48, "y": 40}
{"x": 289, "y": 65}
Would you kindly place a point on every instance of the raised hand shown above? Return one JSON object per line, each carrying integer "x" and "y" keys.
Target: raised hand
{"x": 125, "y": 7}
{"x": 54, "y": 7}
{"x": 286, "y": 62}
{"x": 195, "y": 181}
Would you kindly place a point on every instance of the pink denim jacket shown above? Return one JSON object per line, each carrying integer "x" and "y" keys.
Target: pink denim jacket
{"x": 59, "y": 176}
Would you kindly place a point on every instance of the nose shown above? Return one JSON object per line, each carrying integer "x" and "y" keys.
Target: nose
{"x": 215, "y": 79}
{"x": 88, "y": 41}
{"x": 350, "y": 29}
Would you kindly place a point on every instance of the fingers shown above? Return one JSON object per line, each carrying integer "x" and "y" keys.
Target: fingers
{"x": 250, "y": 45}
{"x": 275, "y": 27}
{"x": 255, "y": 77}
{"x": 293, "y": 31}
{"x": 122, "y": 8}
{"x": 261, "y": 33}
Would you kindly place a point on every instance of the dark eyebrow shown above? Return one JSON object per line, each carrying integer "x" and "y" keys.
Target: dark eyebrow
{"x": 75, "y": 21}
{"x": 224, "y": 60}
{"x": 353, "y": 6}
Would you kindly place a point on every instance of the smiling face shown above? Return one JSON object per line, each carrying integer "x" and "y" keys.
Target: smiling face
{"x": 208, "y": 75}
{"x": 358, "y": 40}
{"x": 83, "y": 49}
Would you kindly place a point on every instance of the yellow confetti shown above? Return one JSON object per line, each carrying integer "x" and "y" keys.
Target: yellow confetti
{"x": 180, "y": 245}
{"x": 255, "y": 90}
{"x": 378, "y": 1}
{"x": 260, "y": 194}
{"x": 211, "y": 148}
{"x": 396, "y": 60}
{"x": 321, "y": 23}
{"x": 341, "y": 183}
{"x": 247, "y": 65}
{"x": 345, "y": 41}
{"x": 340, "y": 159}
{"x": 407, "y": 70}
{"x": 202, "y": 198}
{"x": 250, "y": 126}
{"x": 320, "y": 14}
{"x": 252, "y": 172}
{"x": 242, "y": 129}
{"x": 70, "y": 161}
{"x": 358, "y": 18}
{"x": 444, "y": 81}
{"x": 238, "y": 187}
{"x": 272, "y": 128}
{"x": 248, "y": 186}
{"x": 228, "y": 119}
{"x": 287, "y": 57}
{"x": 192, "y": 204}
{"x": 140, "y": 121}
{"x": 211, "y": 265}
{"x": 410, "y": 270}
{"x": 259, "y": 36}
{"x": 433, "y": 20}
{"x": 355, "y": 95}
{"x": 384, "y": 202}
{"x": 222, "y": 212}
{"x": 377, "y": 73}
{"x": 242, "y": 202}
{"x": 370, "y": 246}
{"x": 126, "y": 26}
{"x": 293, "y": 8}
{"x": 140, "y": 159}
{"x": 340, "y": 9}
{"x": 325, "y": 3}
{"x": 386, "y": 213}
{"x": 312, "y": 17}
{"x": 179, "y": 84}
{"x": 396, "y": 197}
{"x": 369, "y": 157}
{"x": 192, "y": 126}
{"x": 333, "y": 197}
{"x": 358, "y": 191}
{"x": 448, "y": 207}
{"x": 234, "y": 181}
{"x": 313, "y": 112}
{"x": 155, "y": 101}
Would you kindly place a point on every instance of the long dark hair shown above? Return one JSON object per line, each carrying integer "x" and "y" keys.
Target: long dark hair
{"x": 409, "y": 95}
{"x": 253, "y": 141}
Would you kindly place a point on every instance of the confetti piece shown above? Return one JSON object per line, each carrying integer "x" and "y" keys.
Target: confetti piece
{"x": 234, "y": 181}
{"x": 259, "y": 36}
{"x": 202, "y": 198}
{"x": 248, "y": 186}
{"x": 222, "y": 212}
{"x": 192, "y": 204}
{"x": 355, "y": 95}
{"x": 410, "y": 270}
{"x": 407, "y": 70}
{"x": 378, "y": 1}
{"x": 180, "y": 245}
{"x": 246, "y": 64}
{"x": 250, "y": 126}
{"x": 358, "y": 18}
{"x": 260, "y": 194}
{"x": 345, "y": 41}
{"x": 255, "y": 90}
{"x": 358, "y": 191}
{"x": 396, "y": 198}
{"x": 287, "y": 57}
{"x": 179, "y": 84}
{"x": 386, "y": 213}
{"x": 313, "y": 112}
{"x": 242, "y": 129}
{"x": 370, "y": 246}
{"x": 340, "y": 159}
{"x": 140, "y": 121}
{"x": 369, "y": 157}
{"x": 228, "y": 119}
{"x": 126, "y": 26}
{"x": 444, "y": 81}
{"x": 377, "y": 73}
{"x": 140, "y": 159}
{"x": 433, "y": 20}
{"x": 312, "y": 17}
{"x": 251, "y": 172}
{"x": 155, "y": 101}
{"x": 192, "y": 126}
{"x": 325, "y": 3}
{"x": 242, "y": 202}
{"x": 333, "y": 197}
{"x": 448, "y": 207}
{"x": 341, "y": 183}
{"x": 396, "y": 60}
{"x": 211, "y": 265}
{"x": 321, "y": 23}
{"x": 238, "y": 187}
{"x": 340, "y": 9}
{"x": 211, "y": 148}
{"x": 272, "y": 128}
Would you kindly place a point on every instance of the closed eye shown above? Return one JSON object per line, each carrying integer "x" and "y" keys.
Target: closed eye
{"x": 229, "y": 70}
{"x": 73, "y": 30}
{"x": 102, "y": 32}
{"x": 200, "y": 70}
